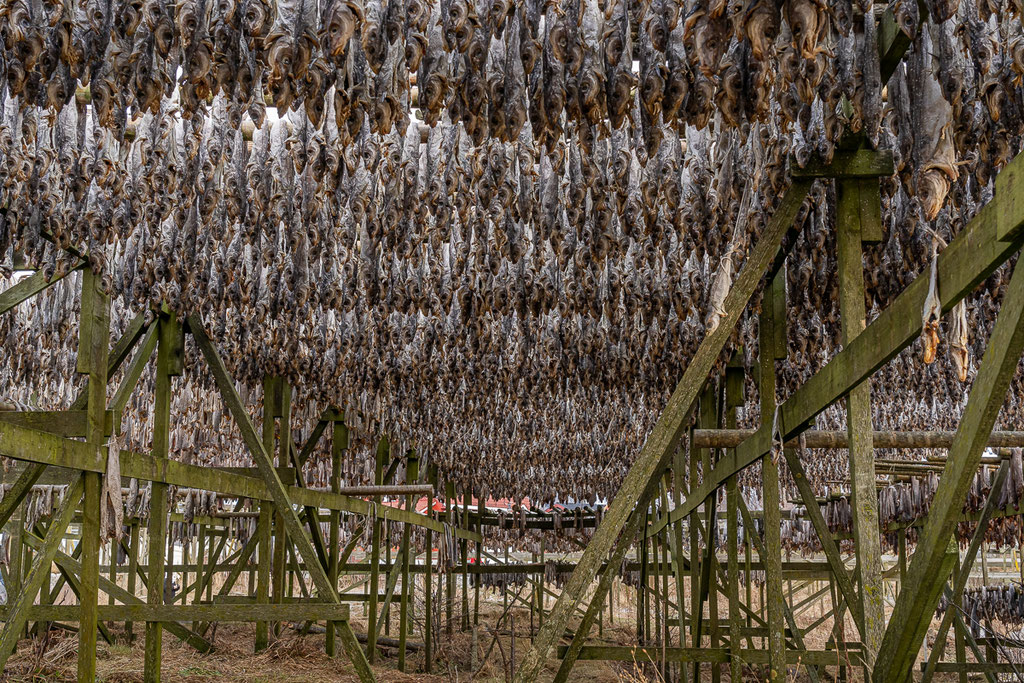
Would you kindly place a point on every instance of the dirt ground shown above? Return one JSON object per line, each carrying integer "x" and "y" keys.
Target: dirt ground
{"x": 296, "y": 657}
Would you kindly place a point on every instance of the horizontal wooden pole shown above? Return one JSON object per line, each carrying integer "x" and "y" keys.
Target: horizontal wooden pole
{"x": 31, "y": 445}
{"x": 181, "y": 613}
{"x": 626, "y": 653}
{"x": 829, "y": 438}
{"x": 69, "y": 423}
{"x": 862, "y": 163}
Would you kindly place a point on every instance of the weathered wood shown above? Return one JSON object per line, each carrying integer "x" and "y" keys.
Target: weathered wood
{"x": 118, "y": 355}
{"x": 355, "y": 653}
{"x": 960, "y": 582}
{"x": 16, "y": 494}
{"x": 132, "y": 375}
{"x": 734, "y": 376}
{"x": 297, "y": 611}
{"x": 252, "y": 441}
{"x": 929, "y": 568}
{"x": 772, "y": 555}
{"x": 835, "y": 562}
{"x": 29, "y": 287}
{"x": 339, "y": 443}
{"x": 381, "y": 456}
{"x": 626, "y": 653}
{"x": 864, "y": 498}
{"x": 74, "y": 567}
{"x": 411, "y": 474}
{"x": 667, "y": 432}
{"x": 861, "y": 163}
{"x": 968, "y": 259}
{"x": 157, "y": 530}
{"x": 66, "y": 423}
{"x": 20, "y": 604}
{"x": 94, "y": 346}
{"x": 633, "y": 524}
{"x": 832, "y": 438}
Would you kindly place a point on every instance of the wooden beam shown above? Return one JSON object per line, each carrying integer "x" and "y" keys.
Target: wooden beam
{"x": 66, "y": 423}
{"x": 667, "y": 432}
{"x": 835, "y": 438}
{"x": 828, "y": 544}
{"x": 854, "y": 164}
{"x": 29, "y": 287}
{"x": 18, "y": 610}
{"x": 929, "y": 569}
{"x": 973, "y": 255}
{"x": 960, "y": 582}
{"x": 864, "y": 497}
{"x": 118, "y": 355}
{"x": 282, "y": 502}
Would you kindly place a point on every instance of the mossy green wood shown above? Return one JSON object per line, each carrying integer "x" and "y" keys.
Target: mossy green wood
{"x": 928, "y": 568}
{"x": 864, "y": 497}
{"x": 93, "y": 352}
{"x": 118, "y": 354}
{"x": 383, "y": 450}
{"x": 412, "y": 473}
{"x": 16, "y": 494}
{"x": 973, "y": 255}
{"x": 665, "y": 436}
{"x": 964, "y": 572}
{"x": 29, "y": 287}
{"x": 18, "y": 609}
{"x": 771, "y": 554}
{"x": 339, "y": 443}
{"x": 157, "y": 528}
{"x": 842, "y": 577}
{"x": 282, "y": 502}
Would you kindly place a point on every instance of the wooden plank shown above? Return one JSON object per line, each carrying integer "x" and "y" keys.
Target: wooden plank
{"x": 118, "y": 355}
{"x": 74, "y": 567}
{"x": 772, "y": 553}
{"x": 960, "y": 582}
{"x": 66, "y": 423}
{"x": 626, "y": 653}
{"x": 132, "y": 375}
{"x": 864, "y": 497}
{"x": 355, "y": 653}
{"x": 378, "y": 474}
{"x": 18, "y": 612}
{"x": 665, "y": 436}
{"x": 835, "y": 562}
{"x": 16, "y": 494}
{"x": 411, "y": 475}
{"x": 29, "y": 287}
{"x": 973, "y": 255}
{"x": 93, "y": 352}
{"x": 853, "y": 164}
{"x": 299, "y": 611}
{"x": 339, "y": 443}
{"x": 157, "y": 527}
{"x": 929, "y": 568}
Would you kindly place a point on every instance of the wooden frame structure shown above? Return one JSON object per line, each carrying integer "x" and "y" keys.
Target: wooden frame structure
{"x": 669, "y": 528}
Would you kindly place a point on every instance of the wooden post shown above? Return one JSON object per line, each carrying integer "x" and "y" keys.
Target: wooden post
{"x": 772, "y": 559}
{"x": 93, "y": 349}
{"x": 428, "y": 583}
{"x": 169, "y": 350}
{"x": 480, "y": 507}
{"x": 929, "y": 567}
{"x": 734, "y": 379}
{"x": 265, "y": 520}
{"x": 850, "y": 224}
{"x": 667, "y": 432}
{"x": 339, "y": 442}
{"x": 449, "y": 497}
{"x": 465, "y": 561}
{"x": 383, "y": 450}
{"x": 19, "y": 604}
{"x": 281, "y": 409}
{"x": 412, "y": 473}
{"x": 200, "y": 568}
{"x": 133, "y": 568}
